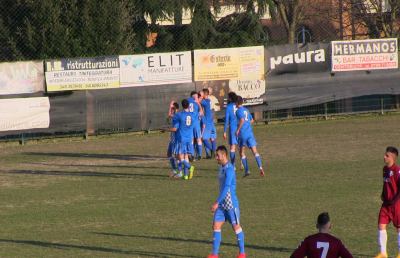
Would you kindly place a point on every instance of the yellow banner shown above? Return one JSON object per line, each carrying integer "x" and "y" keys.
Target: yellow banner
{"x": 245, "y": 63}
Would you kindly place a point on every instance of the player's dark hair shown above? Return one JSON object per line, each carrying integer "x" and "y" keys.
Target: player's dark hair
{"x": 206, "y": 91}
{"x": 232, "y": 97}
{"x": 323, "y": 219}
{"x": 239, "y": 100}
{"x": 185, "y": 104}
{"x": 176, "y": 105}
{"x": 222, "y": 148}
{"x": 192, "y": 93}
{"x": 393, "y": 150}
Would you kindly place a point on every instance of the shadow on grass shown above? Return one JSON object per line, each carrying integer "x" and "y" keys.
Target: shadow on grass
{"x": 249, "y": 246}
{"x": 87, "y": 173}
{"x": 96, "y": 155}
{"x": 97, "y": 166}
{"x": 90, "y": 248}
{"x": 207, "y": 242}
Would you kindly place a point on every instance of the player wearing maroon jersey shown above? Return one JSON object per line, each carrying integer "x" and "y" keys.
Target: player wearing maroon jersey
{"x": 322, "y": 244}
{"x": 390, "y": 209}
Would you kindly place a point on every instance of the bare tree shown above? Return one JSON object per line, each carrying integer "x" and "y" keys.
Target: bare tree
{"x": 380, "y": 16}
{"x": 292, "y": 13}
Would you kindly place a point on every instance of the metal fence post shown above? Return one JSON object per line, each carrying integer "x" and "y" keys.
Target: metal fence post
{"x": 22, "y": 141}
{"x": 326, "y": 110}
{"x": 382, "y": 112}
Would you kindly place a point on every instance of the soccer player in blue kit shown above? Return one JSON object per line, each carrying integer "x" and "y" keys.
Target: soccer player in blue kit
{"x": 246, "y": 137}
{"x": 171, "y": 151}
{"x": 184, "y": 127}
{"x": 226, "y": 207}
{"x": 196, "y": 109}
{"x": 231, "y": 122}
{"x": 209, "y": 131}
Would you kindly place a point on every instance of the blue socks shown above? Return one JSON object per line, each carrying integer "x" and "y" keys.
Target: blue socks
{"x": 172, "y": 162}
{"x": 214, "y": 145}
{"x": 179, "y": 165}
{"x": 186, "y": 167}
{"x": 216, "y": 241}
{"x": 199, "y": 148}
{"x": 245, "y": 165}
{"x": 232, "y": 156}
{"x": 207, "y": 145}
{"x": 258, "y": 159}
{"x": 240, "y": 240}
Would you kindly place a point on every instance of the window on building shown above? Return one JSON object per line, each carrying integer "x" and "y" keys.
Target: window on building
{"x": 303, "y": 35}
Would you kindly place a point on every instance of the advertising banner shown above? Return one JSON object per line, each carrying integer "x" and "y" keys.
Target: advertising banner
{"x": 155, "y": 69}
{"x": 24, "y": 113}
{"x": 245, "y": 63}
{"x": 21, "y": 77}
{"x": 250, "y": 90}
{"x": 295, "y": 58}
{"x": 370, "y": 54}
{"x": 82, "y": 73}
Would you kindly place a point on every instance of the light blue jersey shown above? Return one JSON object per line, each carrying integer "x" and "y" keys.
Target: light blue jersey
{"x": 184, "y": 124}
{"x": 227, "y": 198}
{"x": 230, "y": 117}
{"x": 246, "y": 130}
{"x": 208, "y": 114}
{"x": 173, "y": 136}
{"x": 195, "y": 109}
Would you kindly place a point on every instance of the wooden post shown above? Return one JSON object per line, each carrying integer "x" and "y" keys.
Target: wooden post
{"x": 90, "y": 120}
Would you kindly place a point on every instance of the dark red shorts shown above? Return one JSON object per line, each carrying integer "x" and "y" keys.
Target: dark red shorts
{"x": 389, "y": 214}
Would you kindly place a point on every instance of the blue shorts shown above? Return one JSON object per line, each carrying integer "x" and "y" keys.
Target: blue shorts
{"x": 249, "y": 142}
{"x": 209, "y": 132}
{"x": 185, "y": 148}
{"x": 232, "y": 215}
{"x": 233, "y": 140}
{"x": 197, "y": 131}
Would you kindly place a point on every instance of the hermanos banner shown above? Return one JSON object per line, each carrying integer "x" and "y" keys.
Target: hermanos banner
{"x": 21, "y": 77}
{"x": 245, "y": 63}
{"x": 82, "y": 73}
{"x": 24, "y": 113}
{"x": 155, "y": 69}
{"x": 370, "y": 54}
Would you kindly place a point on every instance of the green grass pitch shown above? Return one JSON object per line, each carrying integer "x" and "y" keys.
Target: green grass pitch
{"x": 111, "y": 196}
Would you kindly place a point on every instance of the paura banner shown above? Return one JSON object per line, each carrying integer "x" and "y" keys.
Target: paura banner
{"x": 156, "y": 69}
{"x": 245, "y": 63}
{"x": 369, "y": 54}
{"x": 82, "y": 73}
{"x": 294, "y": 58}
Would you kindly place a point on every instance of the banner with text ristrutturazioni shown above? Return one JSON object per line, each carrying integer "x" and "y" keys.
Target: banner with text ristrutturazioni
{"x": 82, "y": 73}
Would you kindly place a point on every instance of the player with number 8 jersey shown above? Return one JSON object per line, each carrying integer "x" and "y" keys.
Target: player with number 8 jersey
{"x": 183, "y": 125}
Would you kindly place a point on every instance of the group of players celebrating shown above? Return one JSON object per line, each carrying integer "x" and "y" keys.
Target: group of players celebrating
{"x": 193, "y": 127}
